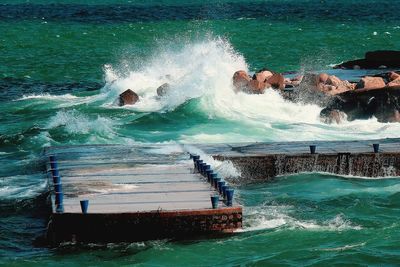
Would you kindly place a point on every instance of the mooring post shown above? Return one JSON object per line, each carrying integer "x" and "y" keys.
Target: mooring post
{"x": 84, "y": 206}
{"x": 220, "y": 184}
{"x": 213, "y": 177}
{"x": 207, "y": 168}
{"x": 209, "y": 173}
{"x": 57, "y": 188}
{"x": 198, "y": 165}
{"x": 53, "y": 162}
{"x": 214, "y": 201}
{"x": 59, "y": 202}
{"x": 216, "y": 180}
{"x": 56, "y": 179}
{"x": 203, "y": 167}
{"x": 376, "y": 148}
{"x": 224, "y": 188}
{"x": 313, "y": 148}
{"x": 229, "y": 197}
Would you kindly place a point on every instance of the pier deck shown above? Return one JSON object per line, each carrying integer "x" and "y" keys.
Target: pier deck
{"x": 134, "y": 193}
{"x": 264, "y": 161}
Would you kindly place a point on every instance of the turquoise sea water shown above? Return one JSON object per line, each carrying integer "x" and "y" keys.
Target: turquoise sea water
{"x": 63, "y": 63}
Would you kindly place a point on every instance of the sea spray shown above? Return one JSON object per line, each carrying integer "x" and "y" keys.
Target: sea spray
{"x": 76, "y": 123}
{"x": 198, "y": 69}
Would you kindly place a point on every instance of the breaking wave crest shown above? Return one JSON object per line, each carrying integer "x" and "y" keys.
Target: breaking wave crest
{"x": 199, "y": 72}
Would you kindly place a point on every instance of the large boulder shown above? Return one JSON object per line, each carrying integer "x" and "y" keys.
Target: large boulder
{"x": 241, "y": 80}
{"x": 370, "y": 83}
{"x": 257, "y": 87}
{"x": 128, "y": 97}
{"x": 277, "y": 81}
{"x": 262, "y": 76}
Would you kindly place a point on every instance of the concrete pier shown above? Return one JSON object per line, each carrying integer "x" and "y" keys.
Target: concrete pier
{"x": 263, "y": 161}
{"x": 134, "y": 193}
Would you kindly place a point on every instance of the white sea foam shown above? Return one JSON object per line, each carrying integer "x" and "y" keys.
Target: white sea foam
{"x": 21, "y": 186}
{"x": 225, "y": 169}
{"x": 203, "y": 70}
{"x": 47, "y": 96}
{"x": 270, "y": 217}
{"x": 77, "y": 123}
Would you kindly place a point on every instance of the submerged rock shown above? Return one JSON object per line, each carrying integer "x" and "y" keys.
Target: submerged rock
{"x": 128, "y": 97}
{"x": 330, "y": 116}
{"x": 163, "y": 89}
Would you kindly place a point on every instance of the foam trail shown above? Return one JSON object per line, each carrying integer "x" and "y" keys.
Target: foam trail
{"x": 21, "y": 186}
{"x": 271, "y": 217}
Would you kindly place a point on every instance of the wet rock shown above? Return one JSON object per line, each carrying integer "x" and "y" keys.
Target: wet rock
{"x": 128, "y": 97}
{"x": 393, "y": 76}
{"x": 163, "y": 89}
{"x": 257, "y": 87}
{"x": 241, "y": 80}
{"x": 330, "y": 116}
{"x": 394, "y": 83}
{"x": 370, "y": 83}
{"x": 395, "y": 117}
{"x": 262, "y": 76}
{"x": 276, "y": 81}
{"x": 322, "y": 78}
{"x": 374, "y": 60}
{"x": 295, "y": 81}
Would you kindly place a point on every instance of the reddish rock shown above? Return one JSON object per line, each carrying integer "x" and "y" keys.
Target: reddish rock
{"x": 394, "y": 82}
{"x": 277, "y": 81}
{"x": 393, "y": 76}
{"x": 128, "y": 97}
{"x": 333, "y": 80}
{"x": 323, "y": 77}
{"x": 257, "y": 87}
{"x": 241, "y": 80}
{"x": 262, "y": 76}
{"x": 371, "y": 83}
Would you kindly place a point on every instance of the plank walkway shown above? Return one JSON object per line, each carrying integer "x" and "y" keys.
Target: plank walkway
{"x": 125, "y": 181}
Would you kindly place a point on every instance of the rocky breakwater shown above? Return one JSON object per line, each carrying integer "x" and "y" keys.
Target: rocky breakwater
{"x": 372, "y": 97}
{"x": 340, "y": 99}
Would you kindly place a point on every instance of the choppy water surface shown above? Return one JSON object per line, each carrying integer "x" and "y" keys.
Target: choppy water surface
{"x": 63, "y": 64}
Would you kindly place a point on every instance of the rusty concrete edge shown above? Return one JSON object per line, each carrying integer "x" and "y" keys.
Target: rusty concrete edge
{"x": 162, "y": 213}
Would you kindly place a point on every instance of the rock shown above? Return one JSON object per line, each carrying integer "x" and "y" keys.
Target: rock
{"x": 262, "y": 76}
{"x": 163, "y": 89}
{"x": 333, "y": 80}
{"x": 371, "y": 83}
{"x": 395, "y": 117}
{"x": 330, "y": 116}
{"x": 393, "y": 76}
{"x": 322, "y": 78}
{"x": 394, "y": 83}
{"x": 277, "y": 81}
{"x": 128, "y": 97}
{"x": 374, "y": 60}
{"x": 257, "y": 87}
{"x": 241, "y": 80}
